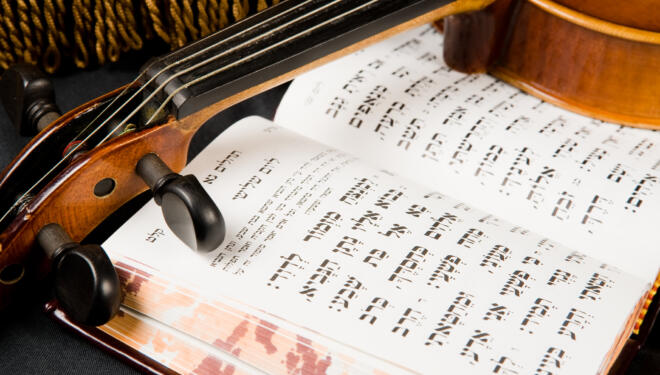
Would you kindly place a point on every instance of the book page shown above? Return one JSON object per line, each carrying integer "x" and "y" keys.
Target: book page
{"x": 375, "y": 266}
{"x": 590, "y": 185}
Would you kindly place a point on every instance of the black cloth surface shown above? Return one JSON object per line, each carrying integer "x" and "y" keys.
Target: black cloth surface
{"x": 30, "y": 342}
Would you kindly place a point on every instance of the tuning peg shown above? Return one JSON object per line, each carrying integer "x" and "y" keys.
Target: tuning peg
{"x": 188, "y": 209}
{"x": 29, "y": 98}
{"x": 86, "y": 283}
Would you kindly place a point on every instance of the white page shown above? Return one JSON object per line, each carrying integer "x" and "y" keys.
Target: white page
{"x": 590, "y": 185}
{"x": 315, "y": 237}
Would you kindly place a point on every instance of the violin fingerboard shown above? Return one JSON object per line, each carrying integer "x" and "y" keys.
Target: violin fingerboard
{"x": 269, "y": 44}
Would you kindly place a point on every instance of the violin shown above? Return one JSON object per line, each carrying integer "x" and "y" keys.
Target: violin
{"x": 89, "y": 162}
{"x": 86, "y": 164}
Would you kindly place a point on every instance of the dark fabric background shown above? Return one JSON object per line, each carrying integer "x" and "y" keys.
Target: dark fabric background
{"x": 31, "y": 343}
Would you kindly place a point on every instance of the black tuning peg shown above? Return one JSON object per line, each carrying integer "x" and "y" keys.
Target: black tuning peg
{"x": 29, "y": 98}
{"x": 86, "y": 283}
{"x": 188, "y": 209}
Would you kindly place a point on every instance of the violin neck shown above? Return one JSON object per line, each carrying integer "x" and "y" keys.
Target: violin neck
{"x": 270, "y": 44}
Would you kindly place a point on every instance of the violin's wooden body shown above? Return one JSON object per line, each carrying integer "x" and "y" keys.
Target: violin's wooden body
{"x": 600, "y": 58}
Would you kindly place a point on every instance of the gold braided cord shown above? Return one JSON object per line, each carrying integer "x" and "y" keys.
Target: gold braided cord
{"x": 82, "y": 33}
{"x": 99, "y": 32}
{"x": 147, "y": 27}
{"x": 6, "y": 58}
{"x": 203, "y": 18}
{"x": 224, "y": 13}
{"x": 127, "y": 26}
{"x": 24, "y": 26}
{"x": 52, "y": 57}
{"x": 157, "y": 21}
{"x": 189, "y": 19}
{"x": 122, "y": 23}
{"x": 240, "y": 9}
{"x": 14, "y": 35}
{"x": 178, "y": 31}
{"x": 214, "y": 16}
{"x": 60, "y": 12}
{"x": 56, "y": 33}
{"x": 35, "y": 17}
{"x": 114, "y": 50}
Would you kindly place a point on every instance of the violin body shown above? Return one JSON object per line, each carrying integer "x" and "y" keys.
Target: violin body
{"x": 600, "y": 58}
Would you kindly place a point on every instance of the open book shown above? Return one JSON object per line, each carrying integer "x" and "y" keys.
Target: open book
{"x": 403, "y": 218}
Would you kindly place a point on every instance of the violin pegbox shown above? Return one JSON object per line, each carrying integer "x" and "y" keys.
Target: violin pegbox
{"x": 187, "y": 208}
{"x": 28, "y": 97}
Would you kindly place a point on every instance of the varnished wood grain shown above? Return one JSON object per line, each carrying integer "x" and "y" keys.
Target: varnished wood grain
{"x": 598, "y": 75}
{"x": 69, "y": 199}
{"x": 474, "y": 40}
{"x": 596, "y": 24}
{"x": 612, "y": 78}
{"x": 642, "y": 14}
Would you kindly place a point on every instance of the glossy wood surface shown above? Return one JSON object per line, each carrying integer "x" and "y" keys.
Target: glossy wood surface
{"x": 70, "y": 201}
{"x": 612, "y": 78}
{"x": 473, "y": 41}
{"x": 643, "y": 14}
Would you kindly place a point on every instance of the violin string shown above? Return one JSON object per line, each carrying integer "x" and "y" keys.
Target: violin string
{"x": 140, "y": 89}
{"x": 215, "y": 57}
{"x": 107, "y": 107}
{"x": 257, "y": 54}
{"x": 163, "y": 70}
{"x": 27, "y": 192}
{"x": 78, "y": 145}
{"x": 162, "y": 86}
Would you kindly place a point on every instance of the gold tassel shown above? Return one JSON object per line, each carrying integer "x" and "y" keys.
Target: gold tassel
{"x": 59, "y": 17}
{"x": 38, "y": 26}
{"x": 114, "y": 49}
{"x": 52, "y": 57}
{"x": 8, "y": 20}
{"x": 240, "y": 9}
{"x": 214, "y": 15}
{"x": 126, "y": 25}
{"x": 224, "y": 13}
{"x": 29, "y": 54}
{"x": 203, "y": 18}
{"x": 34, "y": 31}
{"x": 82, "y": 32}
{"x": 189, "y": 19}
{"x": 6, "y": 58}
{"x": 178, "y": 29}
{"x": 99, "y": 32}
